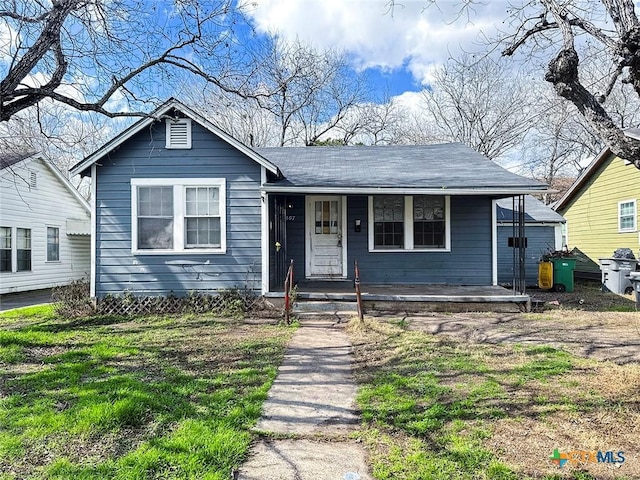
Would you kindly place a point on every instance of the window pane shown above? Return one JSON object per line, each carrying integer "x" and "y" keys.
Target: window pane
{"x": 155, "y": 233}
{"x": 5, "y": 260}
{"x": 388, "y": 208}
{"x": 24, "y": 260}
{"x": 5, "y": 237}
{"x": 214, "y": 201}
{"x": 53, "y": 244}
{"x": 202, "y": 232}
{"x": 155, "y": 201}
{"x": 203, "y": 201}
{"x": 23, "y": 238}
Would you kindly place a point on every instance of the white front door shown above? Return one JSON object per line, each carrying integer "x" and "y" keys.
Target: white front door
{"x": 325, "y": 237}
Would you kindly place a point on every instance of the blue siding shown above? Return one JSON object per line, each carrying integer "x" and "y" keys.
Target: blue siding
{"x": 468, "y": 263}
{"x": 145, "y": 156}
{"x": 539, "y": 241}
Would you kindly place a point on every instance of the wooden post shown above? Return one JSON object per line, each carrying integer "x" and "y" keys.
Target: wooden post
{"x": 288, "y": 285}
{"x": 358, "y": 295}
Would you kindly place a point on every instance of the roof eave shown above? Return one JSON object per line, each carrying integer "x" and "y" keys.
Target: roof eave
{"x": 404, "y": 190}
{"x": 580, "y": 181}
{"x": 170, "y": 104}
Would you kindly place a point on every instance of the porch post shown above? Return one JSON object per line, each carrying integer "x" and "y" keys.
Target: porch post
{"x": 264, "y": 232}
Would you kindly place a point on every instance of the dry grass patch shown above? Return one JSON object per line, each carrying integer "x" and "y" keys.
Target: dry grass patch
{"x": 434, "y": 403}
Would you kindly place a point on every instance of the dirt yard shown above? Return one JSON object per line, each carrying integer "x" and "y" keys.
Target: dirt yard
{"x": 613, "y": 336}
{"x": 586, "y": 322}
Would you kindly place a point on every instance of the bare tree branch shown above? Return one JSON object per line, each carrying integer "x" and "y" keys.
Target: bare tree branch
{"x": 85, "y": 53}
{"x": 621, "y": 47}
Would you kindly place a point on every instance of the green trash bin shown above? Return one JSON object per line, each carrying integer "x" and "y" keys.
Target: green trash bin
{"x": 563, "y": 268}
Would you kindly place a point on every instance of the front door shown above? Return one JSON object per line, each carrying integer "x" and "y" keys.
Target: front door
{"x": 325, "y": 243}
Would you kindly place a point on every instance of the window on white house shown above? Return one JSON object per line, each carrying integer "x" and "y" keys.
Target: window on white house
{"x": 5, "y": 249}
{"x": 53, "y": 244}
{"x": 174, "y": 215}
{"x": 627, "y": 216}
{"x": 178, "y": 133}
{"x": 23, "y": 247}
{"x": 411, "y": 222}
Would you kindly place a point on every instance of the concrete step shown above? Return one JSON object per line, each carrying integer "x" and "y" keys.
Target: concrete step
{"x": 327, "y": 306}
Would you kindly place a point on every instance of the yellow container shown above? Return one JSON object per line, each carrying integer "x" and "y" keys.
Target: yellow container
{"x": 545, "y": 275}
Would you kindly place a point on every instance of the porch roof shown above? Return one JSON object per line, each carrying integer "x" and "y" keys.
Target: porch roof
{"x": 451, "y": 167}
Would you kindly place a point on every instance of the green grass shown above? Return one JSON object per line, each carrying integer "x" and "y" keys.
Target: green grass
{"x": 108, "y": 398}
{"x": 429, "y": 404}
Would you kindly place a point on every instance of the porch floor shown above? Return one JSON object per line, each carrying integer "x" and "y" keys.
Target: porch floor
{"x": 344, "y": 290}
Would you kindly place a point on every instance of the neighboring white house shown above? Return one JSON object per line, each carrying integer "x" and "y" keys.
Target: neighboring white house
{"x": 45, "y": 233}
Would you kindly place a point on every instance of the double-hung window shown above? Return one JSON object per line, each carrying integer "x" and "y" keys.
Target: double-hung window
{"x": 178, "y": 215}
{"x": 53, "y": 244}
{"x": 409, "y": 222}
{"x": 23, "y": 246}
{"x": 202, "y": 221}
{"x": 388, "y": 221}
{"x": 627, "y": 216}
{"x": 6, "y": 264}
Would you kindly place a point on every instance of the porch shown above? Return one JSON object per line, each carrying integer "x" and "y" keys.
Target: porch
{"x": 412, "y": 297}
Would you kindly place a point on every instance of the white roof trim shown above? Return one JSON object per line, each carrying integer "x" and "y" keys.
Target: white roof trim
{"x": 595, "y": 163}
{"x": 400, "y": 190}
{"x": 60, "y": 176}
{"x": 604, "y": 154}
{"x": 156, "y": 115}
{"x": 74, "y": 191}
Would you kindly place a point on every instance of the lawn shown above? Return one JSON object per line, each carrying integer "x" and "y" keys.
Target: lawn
{"x": 440, "y": 407}
{"x": 111, "y": 398}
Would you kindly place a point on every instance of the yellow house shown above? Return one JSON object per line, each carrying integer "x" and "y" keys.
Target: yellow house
{"x": 601, "y": 209}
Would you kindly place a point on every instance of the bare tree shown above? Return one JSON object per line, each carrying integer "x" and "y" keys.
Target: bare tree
{"x": 560, "y": 28}
{"x": 479, "y": 102}
{"x": 300, "y": 95}
{"x": 94, "y": 54}
{"x": 311, "y": 91}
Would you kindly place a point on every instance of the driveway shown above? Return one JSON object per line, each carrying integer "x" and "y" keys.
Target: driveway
{"x": 613, "y": 336}
{"x": 10, "y": 301}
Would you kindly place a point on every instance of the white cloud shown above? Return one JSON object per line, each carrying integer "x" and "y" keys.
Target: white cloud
{"x": 414, "y": 34}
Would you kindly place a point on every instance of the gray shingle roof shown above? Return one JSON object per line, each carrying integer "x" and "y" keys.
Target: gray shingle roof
{"x": 8, "y": 159}
{"x": 535, "y": 211}
{"x": 450, "y": 165}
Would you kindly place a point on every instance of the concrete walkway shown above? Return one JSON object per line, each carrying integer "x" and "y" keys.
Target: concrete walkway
{"x": 312, "y": 404}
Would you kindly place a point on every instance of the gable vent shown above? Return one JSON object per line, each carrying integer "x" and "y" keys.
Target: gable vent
{"x": 33, "y": 180}
{"x": 179, "y": 133}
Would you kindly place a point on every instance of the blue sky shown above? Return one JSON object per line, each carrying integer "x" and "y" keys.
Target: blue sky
{"x": 398, "y": 48}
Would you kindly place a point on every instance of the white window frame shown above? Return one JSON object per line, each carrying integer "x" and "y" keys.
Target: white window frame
{"x": 179, "y": 213}
{"x": 408, "y": 228}
{"x": 47, "y": 244}
{"x": 12, "y": 243}
{"x": 635, "y": 216}
{"x": 30, "y": 269}
{"x": 177, "y": 146}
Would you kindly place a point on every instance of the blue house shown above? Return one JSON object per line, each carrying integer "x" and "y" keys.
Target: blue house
{"x": 180, "y": 205}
